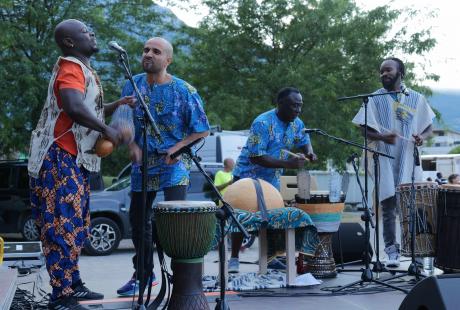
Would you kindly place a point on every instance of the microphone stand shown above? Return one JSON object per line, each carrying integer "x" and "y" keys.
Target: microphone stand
{"x": 146, "y": 120}
{"x": 366, "y": 275}
{"x": 222, "y": 214}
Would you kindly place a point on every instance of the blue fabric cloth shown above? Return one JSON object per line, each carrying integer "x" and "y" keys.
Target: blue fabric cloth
{"x": 60, "y": 205}
{"x": 278, "y": 221}
{"x": 178, "y": 112}
{"x": 269, "y": 136}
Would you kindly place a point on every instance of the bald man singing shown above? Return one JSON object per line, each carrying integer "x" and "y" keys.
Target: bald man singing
{"x": 61, "y": 157}
{"x": 178, "y": 111}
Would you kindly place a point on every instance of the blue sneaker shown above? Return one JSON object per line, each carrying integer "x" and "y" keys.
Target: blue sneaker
{"x": 234, "y": 265}
{"x": 276, "y": 264}
{"x": 131, "y": 288}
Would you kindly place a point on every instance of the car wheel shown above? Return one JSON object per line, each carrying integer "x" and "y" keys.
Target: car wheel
{"x": 104, "y": 237}
{"x": 29, "y": 229}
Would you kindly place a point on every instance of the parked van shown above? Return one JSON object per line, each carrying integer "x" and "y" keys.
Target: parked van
{"x": 447, "y": 164}
{"x": 222, "y": 144}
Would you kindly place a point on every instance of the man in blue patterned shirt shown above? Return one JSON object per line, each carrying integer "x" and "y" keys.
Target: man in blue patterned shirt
{"x": 178, "y": 112}
{"x": 264, "y": 156}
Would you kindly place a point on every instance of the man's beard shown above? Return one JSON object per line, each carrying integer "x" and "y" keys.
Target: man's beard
{"x": 149, "y": 68}
{"x": 390, "y": 84}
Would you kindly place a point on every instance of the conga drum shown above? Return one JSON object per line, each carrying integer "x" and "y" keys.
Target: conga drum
{"x": 425, "y": 214}
{"x": 448, "y": 235}
{"x": 185, "y": 230}
{"x": 326, "y": 216}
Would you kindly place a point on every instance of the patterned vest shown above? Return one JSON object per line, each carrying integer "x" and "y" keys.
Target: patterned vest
{"x": 43, "y": 135}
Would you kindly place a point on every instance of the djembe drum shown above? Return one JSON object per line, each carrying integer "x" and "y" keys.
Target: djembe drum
{"x": 425, "y": 218}
{"x": 185, "y": 230}
{"x": 448, "y": 235}
{"x": 326, "y": 216}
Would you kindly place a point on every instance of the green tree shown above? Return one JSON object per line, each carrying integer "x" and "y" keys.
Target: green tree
{"x": 245, "y": 50}
{"x": 455, "y": 150}
{"x": 28, "y": 53}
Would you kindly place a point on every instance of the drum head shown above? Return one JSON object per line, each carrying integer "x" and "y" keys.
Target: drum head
{"x": 185, "y": 204}
{"x": 407, "y": 186}
{"x": 451, "y": 187}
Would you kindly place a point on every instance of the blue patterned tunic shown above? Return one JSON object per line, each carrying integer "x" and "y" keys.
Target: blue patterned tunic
{"x": 269, "y": 136}
{"x": 178, "y": 112}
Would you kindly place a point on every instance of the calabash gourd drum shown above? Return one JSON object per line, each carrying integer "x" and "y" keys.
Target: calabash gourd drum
{"x": 185, "y": 230}
{"x": 243, "y": 195}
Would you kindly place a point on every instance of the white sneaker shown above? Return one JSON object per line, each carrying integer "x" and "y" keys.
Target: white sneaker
{"x": 393, "y": 260}
{"x": 234, "y": 265}
{"x": 393, "y": 256}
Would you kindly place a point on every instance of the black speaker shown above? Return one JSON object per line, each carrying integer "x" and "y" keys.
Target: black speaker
{"x": 352, "y": 238}
{"x": 434, "y": 293}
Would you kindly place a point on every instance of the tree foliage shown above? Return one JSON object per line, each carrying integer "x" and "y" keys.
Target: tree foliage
{"x": 28, "y": 53}
{"x": 455, "y": 150}
{"x": 242, "y": 53}
{"x": 246, "y": 50}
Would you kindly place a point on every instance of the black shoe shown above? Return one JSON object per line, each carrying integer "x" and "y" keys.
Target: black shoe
{"x": 66, "y": 303}
{"x": 81, "y": 292}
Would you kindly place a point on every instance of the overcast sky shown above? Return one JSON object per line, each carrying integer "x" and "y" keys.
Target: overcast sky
{"x": 444, "y": 59}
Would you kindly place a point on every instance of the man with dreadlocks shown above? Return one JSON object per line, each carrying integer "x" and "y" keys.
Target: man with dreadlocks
{"x": 396, "y": 124}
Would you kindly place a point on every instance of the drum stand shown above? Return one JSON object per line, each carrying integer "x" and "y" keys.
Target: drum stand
{"x": 146, "y": 120}
{"x": 222, "y": 214}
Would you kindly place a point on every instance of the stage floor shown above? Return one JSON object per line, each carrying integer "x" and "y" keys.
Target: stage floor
{"x": 105, "y": 274}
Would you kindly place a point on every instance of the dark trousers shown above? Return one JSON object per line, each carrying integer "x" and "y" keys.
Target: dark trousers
{"x": 149, "y": 235}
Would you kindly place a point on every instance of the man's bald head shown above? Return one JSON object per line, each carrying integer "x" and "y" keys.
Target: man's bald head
{"x": 74, "y": 38}
{"x": 167, "y": 46}
{"x": 157, "y": 55}
{"x": 66, "y": 29}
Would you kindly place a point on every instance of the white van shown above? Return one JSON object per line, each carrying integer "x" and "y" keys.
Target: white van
{"x": 222, "y": 144}
{"x": 447, "y": 164}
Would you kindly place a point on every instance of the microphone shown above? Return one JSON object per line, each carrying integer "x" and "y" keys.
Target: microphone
{"x": 310, "y": 130}
{"x": 117, "y": 48}
{"x": 184, "y": 149}
{"x": 404, "y": 90}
